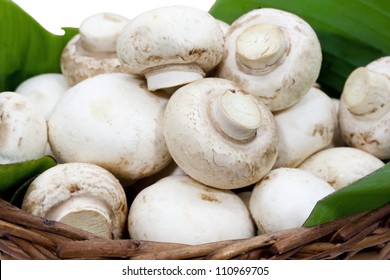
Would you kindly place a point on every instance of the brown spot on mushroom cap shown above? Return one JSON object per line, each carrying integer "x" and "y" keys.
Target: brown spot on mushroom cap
{"x": 209, "y": 197}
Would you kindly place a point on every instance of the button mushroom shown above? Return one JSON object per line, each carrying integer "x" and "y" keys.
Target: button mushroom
{"x": 44, "y": 91}
{"x": 82, "y": 195}
{"x": 365, "y": 108}
{"x": 171, "y": 46}
{"x": 113, "y": 121}
{"x": 220, "y": 135}
{"x": 181, "y": 210}
{"x": 304, "y": 128}
{"x": 273, "y": 55}
{"x": 285, "y": 198}
{"x": 341, "y": 166}
{"x": 93, "y": 50}
{"x": 23, "y": 129}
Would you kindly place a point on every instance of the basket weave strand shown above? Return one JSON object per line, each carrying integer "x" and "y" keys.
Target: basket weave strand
{"x": 364, "y": 235}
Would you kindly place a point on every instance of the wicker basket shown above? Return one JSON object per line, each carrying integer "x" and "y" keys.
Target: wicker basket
{"x": 360, "y": 236}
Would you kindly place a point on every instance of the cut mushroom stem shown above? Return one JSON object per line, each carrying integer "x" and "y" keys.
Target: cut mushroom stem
{"x": 237, "y": 115}
{"x": 261, "y": 46}
{"x": 365, "y": 93}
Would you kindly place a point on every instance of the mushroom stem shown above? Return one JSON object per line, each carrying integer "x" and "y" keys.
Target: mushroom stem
{"x": 237, "y": 115}
{"x": 99, "y": 33}
{"x": 85, "y": 213}
{"x": 366, "y": 93}
{"x": 173, "y": 75}
{"x": 261, "y": 46}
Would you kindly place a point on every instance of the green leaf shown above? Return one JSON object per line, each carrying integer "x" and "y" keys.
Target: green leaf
{"x": 13, "y": 176}
{"x": 367, "y": 194}
{"x": 352, "y": 33}
{"x": 26, "y": 48}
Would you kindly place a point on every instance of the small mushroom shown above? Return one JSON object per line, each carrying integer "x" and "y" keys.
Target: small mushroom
{"x": 82, "y": 195}
{"x": 23, "y": 129}
{"x": 220, "y": 135}
{"x": 113, "y": 121}
{"x": 273, "y": 55}
{"x": 365, "y": 108}
{"x": 171, "y": 46}
{"x": 304, "y": 128}
{"x": 341, "y": 166}
{"x": 93, "y": 50}
{"x": 179, "y": 209}
{"x": 285, "y": 198}
{"x": 44, "y": 91}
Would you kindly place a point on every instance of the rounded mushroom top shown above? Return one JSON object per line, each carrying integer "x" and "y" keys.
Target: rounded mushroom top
{"x": 272, "y": 54}
{"x": 66, "y": 189}
{"x": 181, "y": 210}
{"x": 113, "y": 121}
{"x": 23, "y": 130}
{"x": 172, "y": 36}
{"x": 220, "y": 135}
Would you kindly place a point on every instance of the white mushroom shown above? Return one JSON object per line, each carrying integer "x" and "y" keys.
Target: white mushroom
{"x": 285, "y": 198}
{"x": 365, "y": 109}
{"x": 181, "y": 210}
{"x": 273, "y": 55}
{"x": 44, "y": 91}
{"x": 171, "y": 45}
{"x": 220, "y": 135}
{"x": 341, "y": 166}
{"x": 111, "y": 120}
{"x": 82, "y": 195}
{"x": 23, "y": 130}
{"x": 93, "y": 50}
{"x": 304, "y": 128}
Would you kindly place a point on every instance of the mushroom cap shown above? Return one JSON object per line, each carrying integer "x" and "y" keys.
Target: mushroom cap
{"x": 283, "y": 82}
{"x": 304, "y": 128}
{"x": 181, "y": 210}
{"x": 285, "y": 198}
{"x": 111, "y": 120}
{"x": 93, "y": 50}
{"x": 341, "y": 166}
{"x": 199, "y": 145}
{"x": 44, "y": 91}
{"x": 23, "y": 130}
{"x": 72, "y": 191}
{"x": 170, "y": 35}
{"x": 370, "y": 129}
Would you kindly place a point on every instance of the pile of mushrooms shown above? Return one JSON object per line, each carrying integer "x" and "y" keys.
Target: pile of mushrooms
{"x": 191, "y": 130}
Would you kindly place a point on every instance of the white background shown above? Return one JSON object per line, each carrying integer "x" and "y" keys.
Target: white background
{"x": 54, "y": 14}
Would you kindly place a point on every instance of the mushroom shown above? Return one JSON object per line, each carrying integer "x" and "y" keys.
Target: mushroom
{"x": 273, "y": 55}
{"x": 365, "y": 108}
{"x": 93, "y": 50}
{"x": 304, "y": 128}
{"x": 179, "y": 209}
{"x": 171, "y": 46}
{"x": 219, "y": 135}
{"x": 82, "y": 195}
{"x": 23, "y": 130}
{"x": 44, "y": 91}
{"x": 341, "y": 166}
{"x": 285, "y": 198}
{"x": 113, "y": 121}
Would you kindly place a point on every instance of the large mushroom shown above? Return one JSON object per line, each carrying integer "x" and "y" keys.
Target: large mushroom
{"x": 113, "y": 121}
{"x": 23, "y": 129}
{"x": 181, "y": 210}
{"x": 93, "y": 50}
{"x": 220, "y": 135}
{"x": 171, "y": 46}
{"x": 82, "y": 195}
{"x": 273, "y": 55}
{"x": 285, "y": 198}
{"x": 364, "y": 115}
